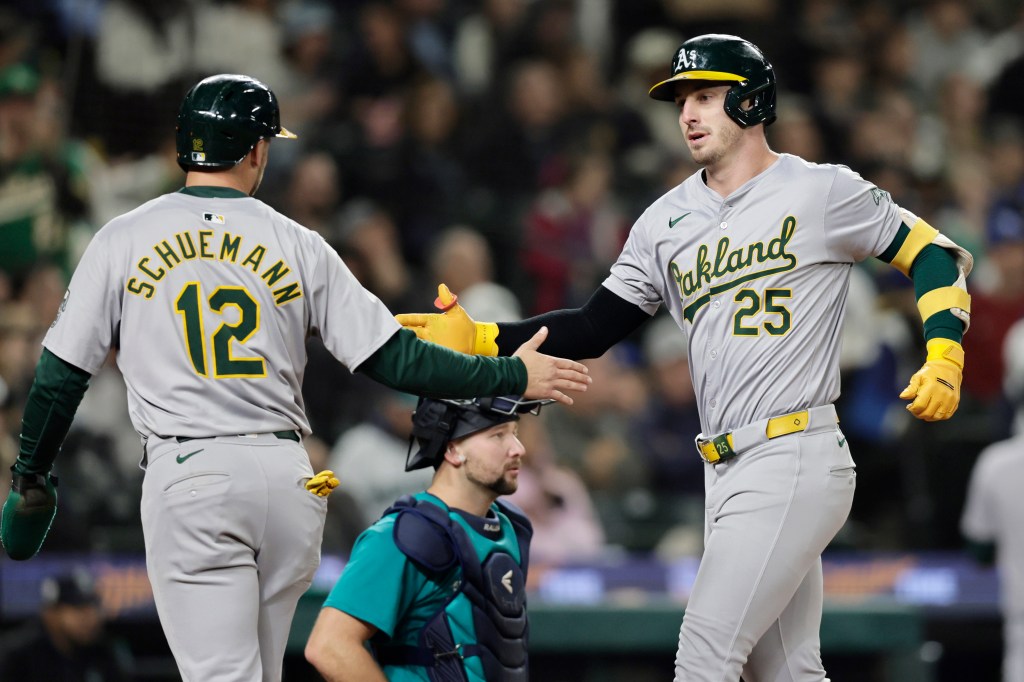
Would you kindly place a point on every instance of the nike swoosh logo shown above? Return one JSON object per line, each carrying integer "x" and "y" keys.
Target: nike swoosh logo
{"x": 672, "y": 223}
{"x": 181, "y": 458}
{"x": 842, "y": 441}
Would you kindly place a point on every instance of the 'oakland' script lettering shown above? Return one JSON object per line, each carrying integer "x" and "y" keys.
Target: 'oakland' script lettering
{"x": 710, "y": 273}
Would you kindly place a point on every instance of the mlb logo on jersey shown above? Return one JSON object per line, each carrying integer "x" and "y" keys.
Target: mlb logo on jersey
{"x": 213, "y": 218}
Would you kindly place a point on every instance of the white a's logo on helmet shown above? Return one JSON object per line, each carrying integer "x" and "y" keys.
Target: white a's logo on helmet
{"x": 685, "y": 59}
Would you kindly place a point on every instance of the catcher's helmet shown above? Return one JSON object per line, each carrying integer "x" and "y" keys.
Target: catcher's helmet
{"x": 436, "y": 422}
{"x": 222, "y": 118}
{"x": 720, "y": 57}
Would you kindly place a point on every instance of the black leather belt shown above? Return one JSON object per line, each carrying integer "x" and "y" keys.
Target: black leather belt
{"x": 283, "y": 435}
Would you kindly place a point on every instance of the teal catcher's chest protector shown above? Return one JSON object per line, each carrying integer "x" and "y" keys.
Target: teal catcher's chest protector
{"x": 494, "y": 586}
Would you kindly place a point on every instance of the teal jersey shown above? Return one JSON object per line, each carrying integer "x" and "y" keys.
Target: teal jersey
{"x": 381, "y": 586}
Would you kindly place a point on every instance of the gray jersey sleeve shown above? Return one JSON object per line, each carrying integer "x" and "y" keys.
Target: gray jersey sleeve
{"x": 352, "y": 322}
{"x": 90, "y": 314}
{"x": 979, "y": 520}
{"x": 860, "y": 220}
{"x": 631, "y": 278}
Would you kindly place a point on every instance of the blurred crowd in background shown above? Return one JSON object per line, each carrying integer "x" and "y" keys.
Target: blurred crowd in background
{"x": 505, "y": 147}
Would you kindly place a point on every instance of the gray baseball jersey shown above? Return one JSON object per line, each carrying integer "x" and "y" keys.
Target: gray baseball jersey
{"x": 993, "y": 512}
{"x": 209, "y": 302}
{"x": 757, "y": 281}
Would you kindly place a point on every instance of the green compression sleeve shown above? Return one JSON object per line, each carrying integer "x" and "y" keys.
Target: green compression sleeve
{"x": 50, "y": 408}
{"x": 407, "y": 364}
{"x": 982, "y": 552}
{"x": 934, "y": 267}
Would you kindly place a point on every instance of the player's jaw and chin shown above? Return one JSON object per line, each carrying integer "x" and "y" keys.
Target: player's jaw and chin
{"x": 713, "y": 135}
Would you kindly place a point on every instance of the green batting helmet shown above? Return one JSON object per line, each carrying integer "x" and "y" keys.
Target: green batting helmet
{"x": 720, "y": 57}
{"x": 222, "y": 118}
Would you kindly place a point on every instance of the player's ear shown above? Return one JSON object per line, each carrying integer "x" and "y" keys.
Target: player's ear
{"x": 257, "y": 155}
{"x": 453, "y": 456}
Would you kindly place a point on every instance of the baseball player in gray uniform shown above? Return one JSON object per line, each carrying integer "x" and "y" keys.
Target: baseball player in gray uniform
{"x": 752, "y": 257}
{"x": 208, "y": 296}
{"x": 994, "y": 511}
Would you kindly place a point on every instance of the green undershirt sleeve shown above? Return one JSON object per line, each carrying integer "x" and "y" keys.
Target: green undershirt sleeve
{"x": 933, "y": 268}
{"x": 407, "y": 364}
{"x": 982, "y": 552}
{"x": 50, "y": 408}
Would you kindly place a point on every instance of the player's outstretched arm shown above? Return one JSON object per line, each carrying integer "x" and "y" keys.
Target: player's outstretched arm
{"x": 576, "y": 333}
{"x": 408, "y": 364}
{"x": 336, "y": 648}
{"x": 548, "y": 376}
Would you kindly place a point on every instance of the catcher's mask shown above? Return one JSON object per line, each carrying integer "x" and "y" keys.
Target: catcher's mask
{"x": 726, "y": 58}
{"x": 222, "y": 118}
{"x": 436, "y": 422}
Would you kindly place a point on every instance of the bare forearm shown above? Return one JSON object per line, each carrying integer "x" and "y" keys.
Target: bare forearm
{"x": 337, "y": 648}
{"x": 347, "y": 663}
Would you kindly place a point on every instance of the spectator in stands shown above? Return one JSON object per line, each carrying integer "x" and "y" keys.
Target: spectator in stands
{"x": 371, "y": 455}
{"x": 143, "y": 62}
{"x": 997, "y": 301}
{"x": 487, "y": 41}
{"x": 670, "y": 416}
{"x": 67, "y": 642}
{"x": 307, "y": 94}
{"x": 994, "y": 511}
{"x": 313, "y": 198}
{"x": 370, "y": 243}
{"x": 573, "y": 234}
{"x": 433, "y": 181}
{"x": 556, "y": 500}
{"x": 527, "y": 134}
{"x": 461, "y": 258}
{"x": 42, "y": 179}
{"x": 593, "y": 439}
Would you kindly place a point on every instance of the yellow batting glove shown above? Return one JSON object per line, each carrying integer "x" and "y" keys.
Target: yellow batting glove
{"x": 453, "y": 327}
{"x": 935, "y": 388}
{"x": 323, "y": 484}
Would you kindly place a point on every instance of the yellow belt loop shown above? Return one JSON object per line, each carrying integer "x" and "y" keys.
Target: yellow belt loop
{"x": 786, "y": 424}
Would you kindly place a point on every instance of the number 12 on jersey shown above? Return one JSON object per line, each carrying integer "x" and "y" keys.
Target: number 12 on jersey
{"x": 225, "y": 366}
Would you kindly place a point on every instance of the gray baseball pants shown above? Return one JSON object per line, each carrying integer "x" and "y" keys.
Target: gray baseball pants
{"x": 756, "y": 603}
{"x": 232, "y": 542}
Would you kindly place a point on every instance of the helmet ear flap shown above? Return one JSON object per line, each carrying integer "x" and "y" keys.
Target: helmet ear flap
{"x": 762, "y": 104}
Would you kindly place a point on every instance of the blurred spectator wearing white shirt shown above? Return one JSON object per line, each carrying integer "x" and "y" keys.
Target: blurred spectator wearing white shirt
{"x": 994, "y": 511}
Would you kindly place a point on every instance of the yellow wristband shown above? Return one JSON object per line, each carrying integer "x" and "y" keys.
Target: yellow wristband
{"x": 486, "y": 339}
{"x": 946, "y": 349}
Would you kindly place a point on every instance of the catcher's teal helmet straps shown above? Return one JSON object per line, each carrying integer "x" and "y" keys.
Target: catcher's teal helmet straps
{"x": 222, "y": 118}
{"x": 436, "y": 422}
{"x": 720, "y": 57}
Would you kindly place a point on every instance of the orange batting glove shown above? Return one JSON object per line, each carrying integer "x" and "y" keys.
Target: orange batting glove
{"x": 935, "y": 388}
{"x": 453, "y": 327}
{"x": 323, "y": 484}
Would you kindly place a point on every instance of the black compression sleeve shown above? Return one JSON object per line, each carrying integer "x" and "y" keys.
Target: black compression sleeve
{"x": 577, "y": 333}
